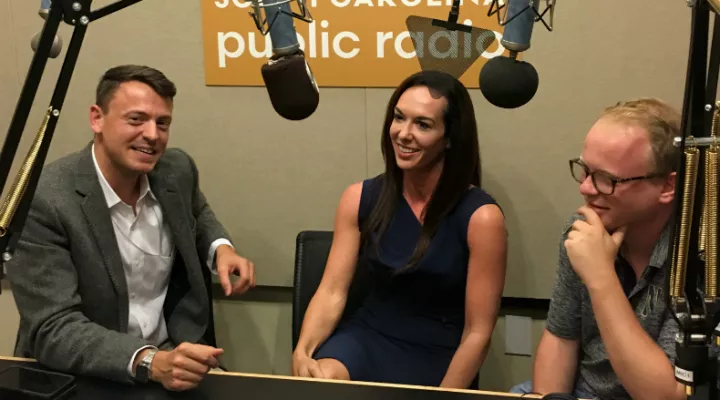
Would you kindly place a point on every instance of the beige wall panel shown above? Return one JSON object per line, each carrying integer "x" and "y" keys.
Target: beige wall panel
{"x": 265, "y": 194}
{"x": 376, "y": 103}
{"x": 9, "y": 84}
{"x": 256, "y": 336}
{"x": 9, "y": 91}
{"x": 598, "y": 54}
{"x": 267, "y": 178}
{"x": 72, "y": 130}
{"x": 10, "y": 321}
{"x": 502, "y": 371}
{"x": 10, "y": 79}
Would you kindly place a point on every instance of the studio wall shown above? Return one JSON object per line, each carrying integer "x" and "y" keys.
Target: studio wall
{"x": 268, "y": 178}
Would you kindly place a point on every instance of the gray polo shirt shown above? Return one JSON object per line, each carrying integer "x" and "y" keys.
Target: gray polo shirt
{"x": 571, "y": 316}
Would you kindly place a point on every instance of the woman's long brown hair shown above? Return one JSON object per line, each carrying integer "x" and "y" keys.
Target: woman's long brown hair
{"x": 461, "y": 164}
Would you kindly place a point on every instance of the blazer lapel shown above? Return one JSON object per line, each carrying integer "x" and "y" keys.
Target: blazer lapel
{"x": 177, "y": 215}
{"x": 97, "y": 214}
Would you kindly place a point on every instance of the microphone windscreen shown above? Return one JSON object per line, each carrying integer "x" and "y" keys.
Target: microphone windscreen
{"x": 508, "y": 83}
{"x": 291, "y": 87}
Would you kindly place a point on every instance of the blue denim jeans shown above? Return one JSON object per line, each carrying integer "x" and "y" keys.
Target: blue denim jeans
{"x": 526, "y": 388}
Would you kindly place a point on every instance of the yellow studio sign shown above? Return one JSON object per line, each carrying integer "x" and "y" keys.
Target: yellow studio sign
{"x": 350, "y": 43}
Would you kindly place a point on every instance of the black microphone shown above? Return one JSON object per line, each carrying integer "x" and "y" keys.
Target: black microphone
{"x": 507, "y": 82}
{"x": 57, "y": 41}
{"x": 290, "y": 83}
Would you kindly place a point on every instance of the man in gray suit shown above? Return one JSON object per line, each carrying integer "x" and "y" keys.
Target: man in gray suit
{"x": 110, "y": 274}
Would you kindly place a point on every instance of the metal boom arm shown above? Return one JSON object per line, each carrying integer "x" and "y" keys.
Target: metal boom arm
{"x": 692, "y": 269}
{"x": 15, "y": 206}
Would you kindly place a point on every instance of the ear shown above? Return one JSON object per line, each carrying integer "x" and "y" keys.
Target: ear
{"x": 667, "y": 194}
{"x": 97, "y": 119}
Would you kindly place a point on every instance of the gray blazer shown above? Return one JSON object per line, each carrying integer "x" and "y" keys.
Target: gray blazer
{"x": 67, "y": 275}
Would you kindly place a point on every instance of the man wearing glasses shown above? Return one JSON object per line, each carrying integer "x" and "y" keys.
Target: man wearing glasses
{"x": 609, "y": 334}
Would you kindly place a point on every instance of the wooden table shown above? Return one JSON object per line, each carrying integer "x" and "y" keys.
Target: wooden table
{"x": 229, "y": 385}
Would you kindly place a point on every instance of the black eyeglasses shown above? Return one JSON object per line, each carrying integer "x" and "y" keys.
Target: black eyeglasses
{"x": 604, "y": 182}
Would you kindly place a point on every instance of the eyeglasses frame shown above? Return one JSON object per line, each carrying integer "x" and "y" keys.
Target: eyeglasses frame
{"x": 614, "y": 179}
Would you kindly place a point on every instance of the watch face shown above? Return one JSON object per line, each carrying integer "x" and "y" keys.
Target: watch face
{"x": 141, "y": 373}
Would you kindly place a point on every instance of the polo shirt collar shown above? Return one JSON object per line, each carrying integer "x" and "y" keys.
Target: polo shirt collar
{"x": 660, "y": 250}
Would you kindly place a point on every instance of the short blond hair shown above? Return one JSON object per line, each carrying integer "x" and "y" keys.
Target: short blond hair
{"x": 660, "y": 120}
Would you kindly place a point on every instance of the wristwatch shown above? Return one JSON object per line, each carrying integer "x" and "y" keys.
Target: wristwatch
{"x": 144, "y": 368}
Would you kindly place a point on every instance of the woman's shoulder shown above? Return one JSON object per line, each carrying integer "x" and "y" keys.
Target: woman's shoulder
{"x": 359, "y": 197}
{"x": 370, "y": 188}
{"x": 370, "y": 192}
{"x": 362, "y": 188}
{"x": 479, "y": 207}
{"x": 373, "y": 184}
{"x": 477, "y": 197}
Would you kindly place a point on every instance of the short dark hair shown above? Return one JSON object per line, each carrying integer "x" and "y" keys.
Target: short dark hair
{"x": 112, "y": 78}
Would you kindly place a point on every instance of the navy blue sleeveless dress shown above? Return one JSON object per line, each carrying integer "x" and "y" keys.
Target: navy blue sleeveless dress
{"x": 411, "y": 323}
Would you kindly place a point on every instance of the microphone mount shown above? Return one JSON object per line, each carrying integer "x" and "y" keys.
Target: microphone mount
{"x": 257, "y": 5}
{"x": 692, "y": 279}
{"x": 452, "y": 22}
{"x": 15, "y": 207}
{"x": 496, "y": 7}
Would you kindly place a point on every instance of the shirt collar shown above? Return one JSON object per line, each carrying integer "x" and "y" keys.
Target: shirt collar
{"x": 111, "y": 198}
{"x": 660, "y": 250}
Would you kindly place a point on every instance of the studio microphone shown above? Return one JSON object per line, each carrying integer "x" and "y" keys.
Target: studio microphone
{"x": 291, "y": 86}
{"x": 507, "y": 82}
{"x": 57, "y": 41}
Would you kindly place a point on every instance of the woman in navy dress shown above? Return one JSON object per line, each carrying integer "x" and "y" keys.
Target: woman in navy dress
{"x": 436, "y": 246}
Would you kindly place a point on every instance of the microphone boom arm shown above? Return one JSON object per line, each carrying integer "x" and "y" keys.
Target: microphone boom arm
{"x": 16, "y": 205}
{"x": 691, "y": 282}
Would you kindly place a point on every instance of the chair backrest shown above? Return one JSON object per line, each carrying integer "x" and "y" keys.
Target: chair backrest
{"x": 311, "y": 253}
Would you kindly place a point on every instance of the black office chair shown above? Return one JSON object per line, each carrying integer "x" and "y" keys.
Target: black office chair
{"x": 311, "y": 253}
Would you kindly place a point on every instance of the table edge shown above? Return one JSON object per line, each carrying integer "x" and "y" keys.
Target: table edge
{"x": 341, "y": 382}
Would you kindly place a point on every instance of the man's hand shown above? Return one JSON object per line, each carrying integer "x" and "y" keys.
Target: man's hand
{"x": 185, "y": 366}
{"x": 228, "y": 262}
{"x": 591, "y": 249}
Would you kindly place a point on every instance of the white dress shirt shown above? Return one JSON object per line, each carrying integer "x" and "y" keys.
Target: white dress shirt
{"x": 147, "y": 253}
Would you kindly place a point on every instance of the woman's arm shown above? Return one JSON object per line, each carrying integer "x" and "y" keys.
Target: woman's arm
{"x": 328, "y": 303}
{"x": 487, "y": 240}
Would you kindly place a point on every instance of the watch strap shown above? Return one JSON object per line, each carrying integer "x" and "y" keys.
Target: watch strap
{"x": 144, "y": 369}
